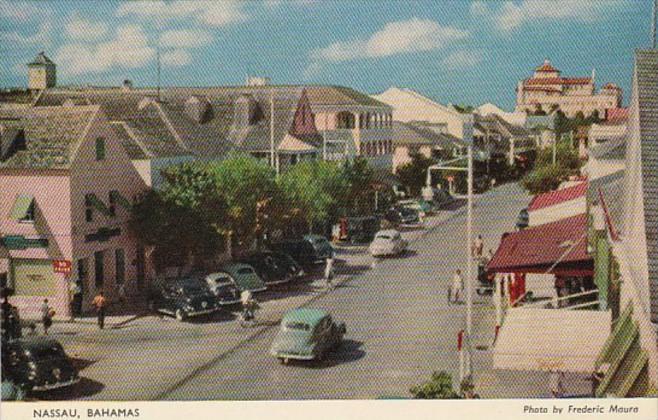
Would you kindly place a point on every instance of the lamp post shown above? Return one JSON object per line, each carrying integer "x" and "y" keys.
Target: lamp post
{"x": 464, "y": 370}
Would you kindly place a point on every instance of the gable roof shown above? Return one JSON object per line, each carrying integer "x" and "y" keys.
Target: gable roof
{"x": 417, "y": 134}
{"x": 40, "y": 59}
{"x": 52, "y": 135}
{"x": 553, "y": 198}
{"x": 646, "y": 73}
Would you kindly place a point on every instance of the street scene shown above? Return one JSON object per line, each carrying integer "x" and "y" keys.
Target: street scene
{"x": 337, "y": 228}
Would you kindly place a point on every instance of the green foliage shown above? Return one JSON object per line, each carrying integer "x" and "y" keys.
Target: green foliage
{"x": 566, "y": 125}
{"x": 413, "y": 174}
{"x": 566, "y": 156}
{"x": 545, "y": 178}
{"x": 313, "y": 189}
{"x": 438, "y": 387}
{"x": 464, "y": 109}
{"x": 358, "y": 176}
{"x": 243, "y": 181}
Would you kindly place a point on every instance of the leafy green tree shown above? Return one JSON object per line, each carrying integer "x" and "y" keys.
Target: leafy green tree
{"x": 244, "y": 182}
{"x": 182, "y": 220}
{"x": 359, "y": 177}
{"x": 438, "y": 387}
{"x": 545, "y": 178}
{"x": 413, "y": 174}
{"x": 314, "y": 190}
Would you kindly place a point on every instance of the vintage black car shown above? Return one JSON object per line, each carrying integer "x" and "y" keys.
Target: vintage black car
{"x": 184, "y": 298}
{"x": 402, "y": 216}
{"x": 273, "y": 267}
{"x": 37, "y": 364}
{"x": 360, "y": 229}
{"x": 222, "y": 286}
{"x": 308, "y": 251}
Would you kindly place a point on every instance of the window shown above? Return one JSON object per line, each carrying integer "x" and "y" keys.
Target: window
{"x": 99, "y": 269}
{"x": 100, "y": 148}
{"x": 120, "y": 263}
{"x": 82, "y": 270}
{"x": 112, "y": 199}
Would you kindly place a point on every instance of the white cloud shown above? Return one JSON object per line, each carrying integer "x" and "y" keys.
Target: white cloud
{"x": 42, "y": 37}
{"x": 25, "y": 24}
{"x": 128, "y": 49}
{"x": 211, "y": 13}
{"x": 20, "y": 10}
{"x": 85, "y": 30}
{"x": 185, "y": 38}
{"x": 395, "y": 38}
{"x": 176, "y": 58}
{"x": 461, "y": 59}
{"x": 510, "y": 15}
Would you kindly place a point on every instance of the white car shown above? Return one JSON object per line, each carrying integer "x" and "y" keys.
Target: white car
{"x": 387, "y": 242}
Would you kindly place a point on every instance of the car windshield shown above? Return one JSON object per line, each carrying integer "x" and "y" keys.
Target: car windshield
{"x": 245, "y": 270}
{"x": 301, "y": 326}
{"x": 192, "y": 289}
{"x": 45, "y": 352}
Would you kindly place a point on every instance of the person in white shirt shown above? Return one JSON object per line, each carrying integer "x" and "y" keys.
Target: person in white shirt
{"x": 457, "y": 288}
{"x": 329, "y": 271}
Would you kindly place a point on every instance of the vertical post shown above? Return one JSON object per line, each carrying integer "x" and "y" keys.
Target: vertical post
{"x": 460, "y": 350}
{"x": 554, "y": 149}
{"x": 469, "y": 266}
{"x": 498, "y": 301}
{"x": 653, "y": 24}
{"x": 324, "y": 139}
{"x": 158, "y": 64}
{"x": 272, "y": 158}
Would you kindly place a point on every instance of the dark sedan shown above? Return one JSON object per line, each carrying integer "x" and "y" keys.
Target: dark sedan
{"x": 37, "y": 364}
{"x": 273, "y": 267}
{"x": 184, "y": 298}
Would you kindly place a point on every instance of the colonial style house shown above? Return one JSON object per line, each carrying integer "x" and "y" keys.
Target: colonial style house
{"x": 66, "y": 187}
{"x": 427, "y": 139}
{"x": 497, "y": 139}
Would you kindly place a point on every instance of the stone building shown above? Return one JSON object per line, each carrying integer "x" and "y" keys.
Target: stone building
{"x": 42, "y": 73}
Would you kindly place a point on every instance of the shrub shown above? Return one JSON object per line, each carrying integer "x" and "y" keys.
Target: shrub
{"x": 545, "y": 178}
{"x": 438, "y": 387}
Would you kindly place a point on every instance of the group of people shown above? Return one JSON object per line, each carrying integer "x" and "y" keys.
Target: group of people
{"x": 48, "y": 313}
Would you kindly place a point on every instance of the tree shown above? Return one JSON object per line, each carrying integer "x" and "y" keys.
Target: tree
{"x": 438, "y": 387}
{"x": 247, "y": 184}
{"x": 313, "y": 190}
{"x": 183, "y": 220}
{"x": 545, "y": 178}
{"x": 413, "y": 175}
{"x": 359, "y": 177}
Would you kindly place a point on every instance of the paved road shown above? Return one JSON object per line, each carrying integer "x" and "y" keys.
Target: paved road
{"x": 400, "y": 329}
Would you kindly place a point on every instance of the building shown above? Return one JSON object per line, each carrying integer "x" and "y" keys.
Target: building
{"x": 547, "y": 90}
{"x": 516, "y": 118}
{"x": 42, "y": 73}
{"x": 410, "y": 106}
{"x": 66, "y": 188}
{"x": 556, "y": 205}
{"x": 613, "y": 127}
{"x": 427, "y": 139}
{"x": 496, "y": 139}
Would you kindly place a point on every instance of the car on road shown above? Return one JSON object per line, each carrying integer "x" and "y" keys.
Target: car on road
{"x": 402, "y": 216}
{"x": 387, "y": 242}
{"x": 35, "y": 364}
{"x": 421, "y": 206}
{"x": 307, "y": 251}
{"x": 184, "y": 298}
{"x": 224, "y": 289}
{"x": 307, "y": 334}
{"x": 273, "y": 267}
{"x": 244, "y": 277}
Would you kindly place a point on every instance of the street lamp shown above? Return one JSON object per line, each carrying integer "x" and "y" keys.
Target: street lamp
{"x": 469, "y": 258}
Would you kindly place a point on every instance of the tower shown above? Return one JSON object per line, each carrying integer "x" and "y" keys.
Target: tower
{"x": 42, "y": 73}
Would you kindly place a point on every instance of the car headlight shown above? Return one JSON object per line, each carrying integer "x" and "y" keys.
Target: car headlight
{"x": 188, "y": 308}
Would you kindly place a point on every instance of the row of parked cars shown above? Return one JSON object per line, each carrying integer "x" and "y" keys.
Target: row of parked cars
{"x": 201, "y": 294}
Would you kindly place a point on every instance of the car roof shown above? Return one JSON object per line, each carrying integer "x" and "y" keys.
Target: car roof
{"x": 306, "y": 315}
{"x": 215, "y": 276}
{"x": 387, "y": 232}
{"x": 37, "y": 342}
{"x": 234, "y": 267}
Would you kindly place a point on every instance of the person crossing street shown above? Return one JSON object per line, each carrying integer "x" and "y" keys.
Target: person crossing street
{"x": 456, "y": 291}
{"x": 99, "y": 303}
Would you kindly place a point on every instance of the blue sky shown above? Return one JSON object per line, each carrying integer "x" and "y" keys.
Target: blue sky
{"x": 466, "y": 52}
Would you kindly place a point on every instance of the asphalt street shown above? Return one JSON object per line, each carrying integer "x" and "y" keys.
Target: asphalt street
{"x": 400, "y": 328}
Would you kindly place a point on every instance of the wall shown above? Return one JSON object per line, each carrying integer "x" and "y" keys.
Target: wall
{"x": 559, "y": 211}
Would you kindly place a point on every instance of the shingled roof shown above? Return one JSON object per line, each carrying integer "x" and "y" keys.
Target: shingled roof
{"x": 646, "y": 74}
{"x": 52, "y": 135}
{"x": 418, "y": 134}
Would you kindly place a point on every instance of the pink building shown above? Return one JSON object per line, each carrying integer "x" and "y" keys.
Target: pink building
{"x": 66, "y": 187}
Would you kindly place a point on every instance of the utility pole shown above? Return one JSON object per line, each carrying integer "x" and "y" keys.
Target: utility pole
{"x": 272, "y": 158}
{"x": 324, "y": 139}
{"x": 158, "y": 63}
{"x": 653, "y": 24}
{"x": 469, "y": 265}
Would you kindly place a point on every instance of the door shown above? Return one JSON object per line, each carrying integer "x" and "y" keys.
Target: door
{"x": 99, "y": 269}
{"x": 120, "y": 263}
{"x": 141, "y": 266}
{"x": 33, "y": 277}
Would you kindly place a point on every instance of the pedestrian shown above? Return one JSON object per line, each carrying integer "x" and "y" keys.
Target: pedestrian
{"x": 478, "y": 247}
{"x": 32, "y": 330}
{"x": 76, "y": 298}
{"x": 556, "y": 381}
{"x": 122, "y": 293}
{"x": 47, "y": 314}
{"x": 457, "y": 288}
{"x": 329, "y": 271}
{"x": 99, "y": 303}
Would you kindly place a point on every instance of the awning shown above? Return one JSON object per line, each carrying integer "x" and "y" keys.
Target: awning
{"x": 625, "y": 357}
{"x": 558, "y": 247}
{"x": 551, "y": 339}
{"x": 21, "y": 207}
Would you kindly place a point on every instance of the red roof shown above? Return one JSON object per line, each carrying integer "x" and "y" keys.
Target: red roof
{"x": 546, "y": 67}
{"x": 616, "y": 116}
{"x": 553, "y": 248}
{"x": 558, "y": 81}
{"x": 552, "y": 198}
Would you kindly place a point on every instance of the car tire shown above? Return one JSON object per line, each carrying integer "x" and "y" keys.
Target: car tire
{"x": 180, "y": 315}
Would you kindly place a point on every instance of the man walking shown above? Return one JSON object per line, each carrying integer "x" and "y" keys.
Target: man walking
{"x": 99, "y": 303}
{"x": 457, "y": 288}
{"x": 47, "y": 314}
{"x": 329, "y": 271}
{"x": 478, "y": 247}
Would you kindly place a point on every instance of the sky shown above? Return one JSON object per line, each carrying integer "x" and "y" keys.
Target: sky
{"x": 454, "y": 51}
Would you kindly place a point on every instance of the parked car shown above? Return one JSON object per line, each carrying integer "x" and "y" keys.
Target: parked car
{"x": 359, "y": 229}
{"x": 523, "y": 219}
{"x": 273, "y": 267}
{"x": 35, "y": 364}
{"x": 421, "y": 206}
{"x": 223, "y": 287}
{"x": 387, "y": 242}
{"x": 184, "y": 298}
{"x": 441, "y": 198}
{"x": 244, "y": 277}
{"x": 310, "y": 250}
{"x": 10, "y": 322}
{"x": 402, "y": 216}
{"x": 307, "y": 334}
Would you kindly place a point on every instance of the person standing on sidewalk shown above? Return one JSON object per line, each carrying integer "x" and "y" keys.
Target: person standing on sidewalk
{"x": 99, "y": 303}
{"x": 47, "y": 314}
{"x": 457, "y": 288}
{"x": 329, "y": 271}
